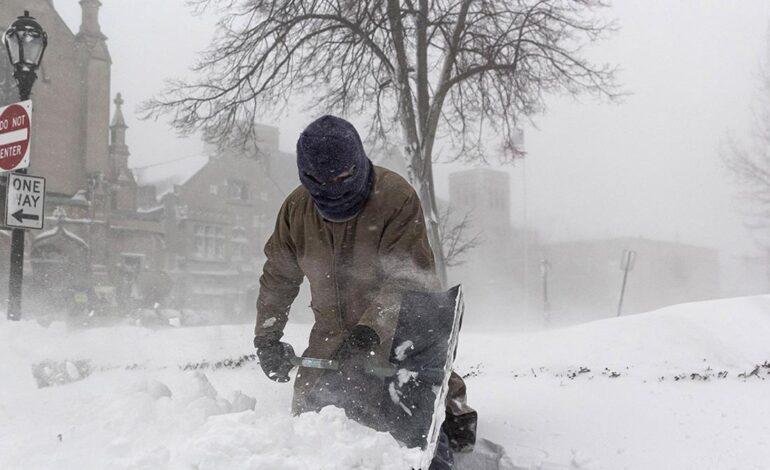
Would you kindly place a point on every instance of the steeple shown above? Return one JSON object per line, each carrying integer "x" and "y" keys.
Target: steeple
{"x": 118, "y": 149}
{"x": 118, "y": 126}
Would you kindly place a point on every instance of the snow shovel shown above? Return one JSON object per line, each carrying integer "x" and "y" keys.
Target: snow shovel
{"x": 421, "y": 357}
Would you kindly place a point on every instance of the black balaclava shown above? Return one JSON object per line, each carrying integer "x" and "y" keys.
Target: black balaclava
{"x": 327, "y": 148}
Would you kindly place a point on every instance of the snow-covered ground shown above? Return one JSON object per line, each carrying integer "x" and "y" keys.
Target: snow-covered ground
{"x": 683, "y": 387}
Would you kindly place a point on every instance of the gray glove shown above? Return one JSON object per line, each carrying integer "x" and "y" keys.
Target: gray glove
{"x": 275, "y": 358}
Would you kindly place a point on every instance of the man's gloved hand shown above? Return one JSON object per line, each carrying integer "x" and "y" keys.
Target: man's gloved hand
{"x": 274, "y": 357}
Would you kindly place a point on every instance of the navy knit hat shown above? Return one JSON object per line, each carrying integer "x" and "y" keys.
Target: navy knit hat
{"x": 334, "y": 168}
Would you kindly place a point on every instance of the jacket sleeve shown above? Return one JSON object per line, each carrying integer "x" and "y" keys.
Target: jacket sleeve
{"x": 407, "y": 262}
{"x": 280, "y": 280}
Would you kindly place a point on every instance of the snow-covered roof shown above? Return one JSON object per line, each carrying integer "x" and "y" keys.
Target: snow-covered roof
{"x": 59, "y": 230}
{"x": 149, "y": 210}
{"x": 165, "y": 175}
{"x": 81, "y": 196}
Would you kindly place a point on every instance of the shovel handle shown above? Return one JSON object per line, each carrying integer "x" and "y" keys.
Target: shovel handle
{"x": 330, "y": 364}
{"x": 313, "y": 363}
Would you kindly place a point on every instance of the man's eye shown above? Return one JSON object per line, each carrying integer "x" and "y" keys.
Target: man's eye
{"x": 312, "y": 178}
{"x": 345, "y": 174}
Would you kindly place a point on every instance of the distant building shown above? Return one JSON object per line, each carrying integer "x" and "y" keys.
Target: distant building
{"x": 216, "y": 223}
{"x": 485, "y": 194}
{"x": 71, "y": 97}
{"x": 95, "y": 243}
{"x": 583, "y": 279}
{"x": 494, "y": 271}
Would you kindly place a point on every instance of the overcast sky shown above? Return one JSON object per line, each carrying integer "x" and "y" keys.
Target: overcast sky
{"x": 648, "y": 166}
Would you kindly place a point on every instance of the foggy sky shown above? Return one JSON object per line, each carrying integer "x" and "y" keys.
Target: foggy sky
{"x": 648, "y": 166}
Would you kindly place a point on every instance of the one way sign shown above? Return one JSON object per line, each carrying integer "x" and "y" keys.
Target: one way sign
{"x": 25, "y": 201}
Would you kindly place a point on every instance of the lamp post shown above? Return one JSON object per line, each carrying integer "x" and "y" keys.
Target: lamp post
{"x": 25, "y": 41}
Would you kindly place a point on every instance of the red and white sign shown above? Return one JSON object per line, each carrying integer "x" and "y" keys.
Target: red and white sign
{"x": 15, "y": 124}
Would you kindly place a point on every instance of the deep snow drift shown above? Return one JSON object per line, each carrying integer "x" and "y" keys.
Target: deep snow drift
{"x": 683, "y": 387}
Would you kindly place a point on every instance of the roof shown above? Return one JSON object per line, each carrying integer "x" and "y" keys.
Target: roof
{"x": 165, "y": 175}
{"x": 59, "y": 230}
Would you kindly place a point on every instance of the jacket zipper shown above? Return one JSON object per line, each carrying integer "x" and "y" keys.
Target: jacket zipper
{"x": 334, "y": 280}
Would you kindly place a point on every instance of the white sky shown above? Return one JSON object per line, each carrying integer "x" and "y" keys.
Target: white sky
{"x": 646, "y": 167}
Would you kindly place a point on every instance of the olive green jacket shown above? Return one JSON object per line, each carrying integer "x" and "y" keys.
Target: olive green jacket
{"x": 356, "y": 269}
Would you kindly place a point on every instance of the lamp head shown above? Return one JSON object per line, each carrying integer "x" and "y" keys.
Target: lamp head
{"x": 25, "y": 41}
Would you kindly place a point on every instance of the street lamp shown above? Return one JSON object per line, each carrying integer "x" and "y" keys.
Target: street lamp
{"x": 25, "y": 41}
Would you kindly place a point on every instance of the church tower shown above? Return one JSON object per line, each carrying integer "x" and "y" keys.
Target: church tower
{"x": 120, "y": 177}
{"x": 95, "y": 65}
{"x": 118, "y": 149}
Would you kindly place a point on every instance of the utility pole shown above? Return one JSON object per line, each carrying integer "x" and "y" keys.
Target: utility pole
{"x": 627, "y": 264}
{"x": 545, "y": 268}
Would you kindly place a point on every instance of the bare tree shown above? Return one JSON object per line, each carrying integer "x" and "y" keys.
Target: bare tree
{"x": 456, "y": 242}
{"x": 461, "y": 69}
{"x": 749, "y": 163}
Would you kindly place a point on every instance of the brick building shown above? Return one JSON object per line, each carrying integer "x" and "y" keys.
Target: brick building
{"x": 95, "y": 241}
{"x": 216, "y": 222}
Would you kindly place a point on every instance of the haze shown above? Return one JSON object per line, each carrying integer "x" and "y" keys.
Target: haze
{"x": 648, "y": 166}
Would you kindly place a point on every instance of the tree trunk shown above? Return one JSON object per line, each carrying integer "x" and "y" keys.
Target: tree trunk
{"x": 421, "y": 177}
{"x": 429, "y": 206}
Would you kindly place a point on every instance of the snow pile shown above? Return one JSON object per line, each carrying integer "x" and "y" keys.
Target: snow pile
{"x": 141, "y": 410}
{"x": 326, "y": 440}
{"x": 682, "y": 387}
{"x": 106, "y": 421}
{"x": 728, "y": 334}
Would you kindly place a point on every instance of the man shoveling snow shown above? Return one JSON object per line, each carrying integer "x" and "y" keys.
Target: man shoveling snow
{"x": 357, "y": 232}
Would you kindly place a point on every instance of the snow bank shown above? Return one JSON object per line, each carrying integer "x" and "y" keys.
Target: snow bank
{"x": 670, "y": 389}
{"x": 139, "y": 408}
{"x": 610, "y": 394}
{"x": 114, "y": 420}
{"x": 728, "y": 333}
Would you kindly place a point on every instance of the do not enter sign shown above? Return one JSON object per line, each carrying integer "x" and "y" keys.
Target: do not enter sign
{"x": 15, "y": 123}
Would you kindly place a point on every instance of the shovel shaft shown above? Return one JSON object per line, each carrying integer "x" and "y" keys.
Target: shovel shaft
{"x": 330, "y": 364}
{"x": 313, "y": 363}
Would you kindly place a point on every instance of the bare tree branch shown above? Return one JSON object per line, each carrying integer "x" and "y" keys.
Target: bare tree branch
{"x": 749, "y": 163}
{"x": 455, "y": 239}
{"x": 436, "y": 76}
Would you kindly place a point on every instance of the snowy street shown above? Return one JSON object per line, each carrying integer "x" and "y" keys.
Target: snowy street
{"x": 648, "y": 391}
{"x": 536, "y": 227}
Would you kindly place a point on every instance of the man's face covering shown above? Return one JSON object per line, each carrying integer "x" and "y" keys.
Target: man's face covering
{"x": 334, "y": 168}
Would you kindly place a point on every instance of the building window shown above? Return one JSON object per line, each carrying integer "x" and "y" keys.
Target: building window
{"x": 240, "y": 251}
{"x": 132, "y": 263}
{"x": 213, "y": 189}
{"x": 239, "y": 241}
{"x": 238, "y": 190}
{"x": 209, "y": 242}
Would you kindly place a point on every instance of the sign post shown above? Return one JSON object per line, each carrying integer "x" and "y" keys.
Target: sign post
{"x": 15, "y": 125}
{"x": 25, "y": 42}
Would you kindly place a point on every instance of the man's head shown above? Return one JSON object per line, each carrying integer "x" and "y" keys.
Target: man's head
{"x": 334, "y": 167}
